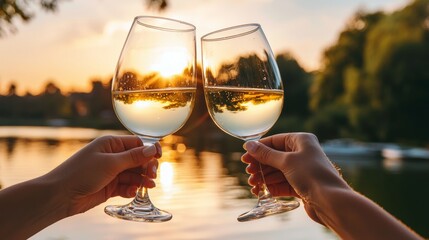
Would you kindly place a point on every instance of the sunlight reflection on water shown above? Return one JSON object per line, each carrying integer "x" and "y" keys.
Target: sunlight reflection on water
{"x": 196, "y": 187}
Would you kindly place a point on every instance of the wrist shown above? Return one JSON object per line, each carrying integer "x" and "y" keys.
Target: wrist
{"x": 54, "y": 197}
{"x": 324, "y": 178}
{"x": 325, "y": 192}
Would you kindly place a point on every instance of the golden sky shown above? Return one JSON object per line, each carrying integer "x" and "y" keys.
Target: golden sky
{"x": 83, "y": 39}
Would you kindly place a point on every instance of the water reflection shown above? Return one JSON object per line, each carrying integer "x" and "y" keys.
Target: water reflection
{"x": 10, "y": 145}
{"x": 166, "y": 176}
{"x": 398, "y": 186}
{"x": 206, "y": 189}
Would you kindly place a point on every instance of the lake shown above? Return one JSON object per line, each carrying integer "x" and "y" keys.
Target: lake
{"x": 203, "y": 183}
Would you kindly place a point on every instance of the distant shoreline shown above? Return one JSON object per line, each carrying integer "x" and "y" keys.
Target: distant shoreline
{"x": 59, "y": 122}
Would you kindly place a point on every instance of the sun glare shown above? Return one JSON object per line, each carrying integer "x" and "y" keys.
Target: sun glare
{"x": 143, "y": 104}
{"x": 171, "y": 62}
{"x": 166, "y": 173}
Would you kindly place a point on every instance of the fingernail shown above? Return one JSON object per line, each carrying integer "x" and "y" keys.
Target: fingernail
{"x": 158, "y": 150}
{"x": 250, "y": 146}
{"x": 149, "y": 151}
{"x": 151, "y": 184}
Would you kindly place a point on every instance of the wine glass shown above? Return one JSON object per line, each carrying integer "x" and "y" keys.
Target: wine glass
{"x": 244, "y": 95}
{"x": 153, "y": 93}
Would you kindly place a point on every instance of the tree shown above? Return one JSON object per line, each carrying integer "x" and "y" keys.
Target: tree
{"x": 12, "y": 9}
{"x": 329, "y": 85}
{"x": 12, "y": 89}
{"x": 296, "y": 82}
{"x": 397, "y": 82}
{"x": 51, "y": 89}
{"x": 377, "y": 74}
{"x": 340, "y": 72}
{"x": 53, "y": 103}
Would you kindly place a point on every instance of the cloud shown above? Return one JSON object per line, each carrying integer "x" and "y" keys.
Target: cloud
{"x": 92, "y": 33}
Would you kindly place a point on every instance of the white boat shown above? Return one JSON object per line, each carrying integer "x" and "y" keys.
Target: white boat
{"x": 406, "y": 153}
{"x": 349, "y": 148}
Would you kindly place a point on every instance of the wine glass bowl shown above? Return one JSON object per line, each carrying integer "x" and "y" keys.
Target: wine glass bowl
{"x": 153, "y": 93}
{"x": 244, "y": 94}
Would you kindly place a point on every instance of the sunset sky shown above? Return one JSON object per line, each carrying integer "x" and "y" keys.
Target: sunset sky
{"x": 83, "y": 39}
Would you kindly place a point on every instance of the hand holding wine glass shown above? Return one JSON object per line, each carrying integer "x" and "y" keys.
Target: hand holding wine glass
{"x": 153, "y": 93}
{"x": 244, "y": 94}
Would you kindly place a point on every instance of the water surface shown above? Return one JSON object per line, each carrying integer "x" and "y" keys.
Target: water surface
{"x": 204, "y": 186}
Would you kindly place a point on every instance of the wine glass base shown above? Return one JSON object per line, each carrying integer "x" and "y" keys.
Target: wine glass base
{"x": 138, "y": 213}
{"x": 268, "y": 209}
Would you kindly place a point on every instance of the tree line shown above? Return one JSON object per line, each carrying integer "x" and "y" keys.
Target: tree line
{"x": 374, "y": 81}
{"x": 53, "y": 107}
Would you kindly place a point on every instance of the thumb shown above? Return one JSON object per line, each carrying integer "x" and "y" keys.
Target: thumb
{"x": 264, "y": 154}
{"x": 136, "y": 157}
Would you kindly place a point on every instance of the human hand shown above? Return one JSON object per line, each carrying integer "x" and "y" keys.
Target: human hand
{"x": 293, "y": 164}
{"x": 108, "y": 166}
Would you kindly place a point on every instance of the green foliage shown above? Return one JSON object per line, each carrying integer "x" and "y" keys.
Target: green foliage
{"x": 378, "y": 70}
{"x": 296, "y": 83}
{"x": 329, "y": 122}
{"x": 329, "y": 84}
{"x": 11, "y": 9}
{"x": 289, "y": 124}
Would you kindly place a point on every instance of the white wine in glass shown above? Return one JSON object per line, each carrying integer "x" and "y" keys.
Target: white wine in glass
{"x": 244, "y": 95}
{"x": 153, "y": 93}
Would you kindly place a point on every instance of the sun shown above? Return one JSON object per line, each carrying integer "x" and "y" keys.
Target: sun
{"x": 142, "y": 104}
{"x": 171, "y": 62}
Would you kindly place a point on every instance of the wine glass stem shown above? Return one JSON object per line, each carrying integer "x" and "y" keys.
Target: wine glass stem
{"x": 142, "y": 196}
{"x": 263, "y": 193}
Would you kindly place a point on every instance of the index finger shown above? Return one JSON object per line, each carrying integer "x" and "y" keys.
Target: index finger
{"x": 117, "y": 144}
{"x": 122, "y": 143}
{"x": 290, "y": 142}
{"x": 278, "y": 142}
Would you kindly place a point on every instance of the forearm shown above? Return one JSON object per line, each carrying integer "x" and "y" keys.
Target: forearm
{"x": 29, "y": 207}
{"x": 353, "y": 216}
